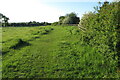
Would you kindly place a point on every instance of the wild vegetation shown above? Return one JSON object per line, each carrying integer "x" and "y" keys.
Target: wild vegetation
{"x": 101, "y": 31}
{"x": 89, "y": 50}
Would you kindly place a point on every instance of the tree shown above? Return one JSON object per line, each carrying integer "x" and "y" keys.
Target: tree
{"x": 0, "y": 19}
{"x": 4, "y": 20}
{"x": 61, "y": 18}
{"x": 85, "y": 18}
{"x": 69, "y": 19}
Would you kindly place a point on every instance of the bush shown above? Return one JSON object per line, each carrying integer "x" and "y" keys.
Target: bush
{"x": 54, "y": 24}
{"x": 101, "y": 32}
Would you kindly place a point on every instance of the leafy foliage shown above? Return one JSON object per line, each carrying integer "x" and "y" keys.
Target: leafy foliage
{"x": 101, "y": 32}
{"x": 3, "y": 20}
{"x": 69, "y": 19}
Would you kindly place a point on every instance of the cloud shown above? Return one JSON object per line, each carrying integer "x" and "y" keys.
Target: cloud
{"x": 29, "y": 10}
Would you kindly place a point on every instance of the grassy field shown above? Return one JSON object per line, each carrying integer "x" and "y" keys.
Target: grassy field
{"x": 51, "y": 52}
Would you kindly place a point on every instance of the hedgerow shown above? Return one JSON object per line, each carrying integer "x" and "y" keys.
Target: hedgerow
{"x": 100, "y": 30}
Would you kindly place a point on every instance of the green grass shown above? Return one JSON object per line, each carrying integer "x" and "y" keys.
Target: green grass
{"x": 53, "y": 52}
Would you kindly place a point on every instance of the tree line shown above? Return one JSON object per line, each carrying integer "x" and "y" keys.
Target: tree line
{"x": 68, "y": 19}
{"x": 4, "y": 22}
{"x": 31, "y": 23}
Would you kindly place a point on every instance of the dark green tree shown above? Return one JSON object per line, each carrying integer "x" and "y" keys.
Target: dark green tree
{"x": 71, "y": 19}
{"x": 4, "y": 20}
{"x": 61, "y": 18}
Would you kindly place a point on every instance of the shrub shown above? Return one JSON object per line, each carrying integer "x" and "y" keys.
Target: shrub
{"x": 101, "y": 32}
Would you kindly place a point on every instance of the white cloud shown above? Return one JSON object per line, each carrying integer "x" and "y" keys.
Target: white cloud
{"x": 29, "y": 10}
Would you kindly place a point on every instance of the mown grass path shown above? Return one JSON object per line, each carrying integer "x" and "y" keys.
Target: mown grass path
{"x": 36, "y": 60}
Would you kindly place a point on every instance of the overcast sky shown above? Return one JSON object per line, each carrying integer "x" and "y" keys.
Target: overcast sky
{"x": 44, "y": 10}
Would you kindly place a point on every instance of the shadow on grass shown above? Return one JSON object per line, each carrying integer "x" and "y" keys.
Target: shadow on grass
{"x": 4, "y": 52}
{"x": 20, "y": 43}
